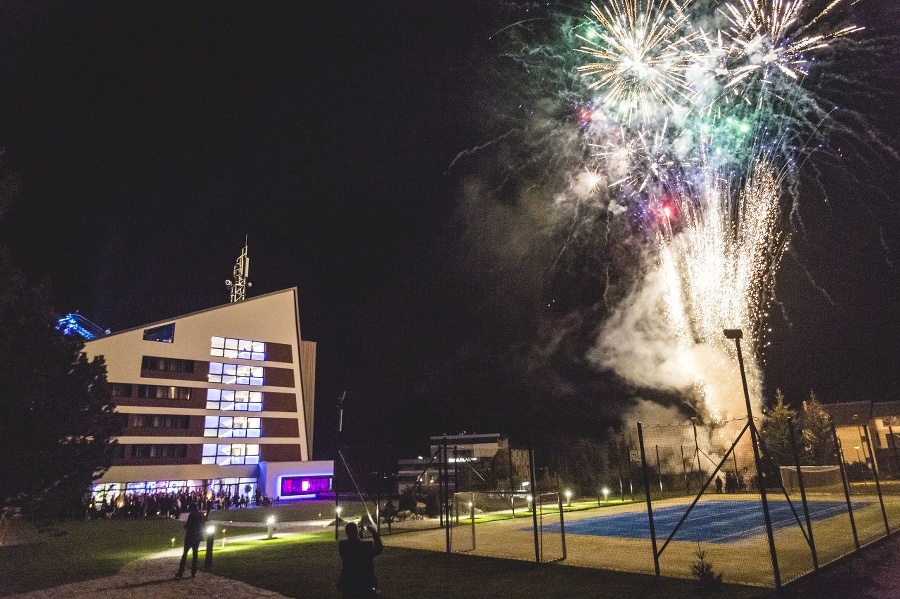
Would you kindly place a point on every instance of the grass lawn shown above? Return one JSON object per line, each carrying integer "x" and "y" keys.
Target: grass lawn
{"x": 293, "y": 565}
{"x": 76, "y": 550}
{"x": 288, "y": 512}
{"x": 307, "y": 565}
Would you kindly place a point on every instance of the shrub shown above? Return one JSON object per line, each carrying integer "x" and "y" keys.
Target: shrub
{"x": 703, "y": 571}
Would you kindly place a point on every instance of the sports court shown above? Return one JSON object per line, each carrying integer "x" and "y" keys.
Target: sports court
{"x": 714, "y": 521}
{"x": 617, "y": 537}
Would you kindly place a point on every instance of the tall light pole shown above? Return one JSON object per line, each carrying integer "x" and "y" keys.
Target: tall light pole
{"x": 737, "y": 335}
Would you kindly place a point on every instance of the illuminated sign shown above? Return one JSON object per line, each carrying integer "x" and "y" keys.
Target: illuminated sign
{"x": 303, "y": 486}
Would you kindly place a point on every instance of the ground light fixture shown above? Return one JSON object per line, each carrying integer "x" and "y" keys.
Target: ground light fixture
{"x": 270, "y": 524}
{"x": 568, "y": 498}
{"x": 210, "y": 539}
{"x": 606, "y": 494}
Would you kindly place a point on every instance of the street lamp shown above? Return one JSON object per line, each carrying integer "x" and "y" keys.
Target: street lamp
{"x": 737, "y": 335}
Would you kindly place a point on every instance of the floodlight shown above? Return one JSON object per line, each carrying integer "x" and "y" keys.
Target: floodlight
{"x": 733, "y": 333}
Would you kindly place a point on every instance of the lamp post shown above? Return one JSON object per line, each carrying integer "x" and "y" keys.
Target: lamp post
{"x": 737, "y": 335}
{"x": 337, "y": 521}
{"x": 210, "y": 539}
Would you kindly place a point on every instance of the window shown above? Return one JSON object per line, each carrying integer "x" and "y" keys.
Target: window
{"x": 231, "y": 426}
{"x": 163, "y": 334}
{"x": 244, "y": 349}
{"x": 161, "y": 392}
{"x": 240, "y": 401}
{"x": 230, "y": 455}
{"x": 158, "y": 451}
{"x": 304, "y": 485}
{"x": 120, "y": 389}
{"x": 235, "y": 374}
{"x": 159, "y": 421}
{"x": 167, "y": 364}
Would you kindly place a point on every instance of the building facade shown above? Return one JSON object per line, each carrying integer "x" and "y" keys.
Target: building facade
{"x": 218, "y": 401}
{"x": 861, "y": 425}
{"x": 470, "y": 451}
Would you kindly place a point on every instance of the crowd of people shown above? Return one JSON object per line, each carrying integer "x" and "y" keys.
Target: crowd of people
{"x": 165, "y": 504}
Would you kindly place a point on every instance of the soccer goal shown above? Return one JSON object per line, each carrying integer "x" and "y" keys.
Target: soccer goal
{"x": 510, "y": 525}
{"x": 816, "y": 479}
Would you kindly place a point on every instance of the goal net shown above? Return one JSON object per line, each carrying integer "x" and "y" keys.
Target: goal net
{"x": 816, "y": 479}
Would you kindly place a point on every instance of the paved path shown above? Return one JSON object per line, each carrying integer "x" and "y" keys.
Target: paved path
{"x": 153, "y": 576}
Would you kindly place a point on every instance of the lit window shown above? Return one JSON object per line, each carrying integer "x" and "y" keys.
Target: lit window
{"x": 232, "y": 427}
{"x": 235, "y": 374}
{"x": 163, "y": 334}
{"x": 230, "y": 455}
{"x": 243, "y": 349}
{"x": 242, "y": 401}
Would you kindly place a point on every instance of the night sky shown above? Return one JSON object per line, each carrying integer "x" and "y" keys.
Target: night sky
{"x": 150, "y": 138}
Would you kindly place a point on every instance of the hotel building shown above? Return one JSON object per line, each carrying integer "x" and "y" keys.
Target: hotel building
{"x": 219, "y": 400}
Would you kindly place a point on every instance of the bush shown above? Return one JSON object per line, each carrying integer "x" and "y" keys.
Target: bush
{"x": 703, "y": 571}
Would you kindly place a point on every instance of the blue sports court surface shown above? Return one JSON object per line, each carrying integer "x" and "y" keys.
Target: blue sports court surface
{"x": 718, "y": 521}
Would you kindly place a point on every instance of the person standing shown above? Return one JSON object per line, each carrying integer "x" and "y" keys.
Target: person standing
{"x": 193, "y": 534}
{"x": 357, "y": 579}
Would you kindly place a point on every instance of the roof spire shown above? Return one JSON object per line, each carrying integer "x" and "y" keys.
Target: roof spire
{"x": 241, "y": 273}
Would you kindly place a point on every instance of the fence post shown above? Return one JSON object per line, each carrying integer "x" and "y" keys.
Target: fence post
{"x": 445, "y": 508}
{"x": 887, "y": 527}
{"x": 472, "y": 515}
{"x": 812, "y": 543}
{"x": 534, "y": 499}
{"x": 697, "y": 454}
{"x": 562, "y": 524}
{"x": 737, "y": 334}
{"x": 646, "y": 473}
{"x": 662, "y": 493}
{"x": 839, "y": 454}
{"x": 512, "y": 497}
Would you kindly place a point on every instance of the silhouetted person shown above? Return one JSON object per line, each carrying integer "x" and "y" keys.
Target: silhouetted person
{"x": 193, "y": 534}
{"x": 357, "y": 579}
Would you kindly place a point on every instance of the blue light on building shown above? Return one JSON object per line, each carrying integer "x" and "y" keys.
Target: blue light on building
{"x": 76, "y": 324}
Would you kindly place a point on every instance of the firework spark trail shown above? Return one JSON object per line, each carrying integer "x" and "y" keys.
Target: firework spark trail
{"x": 699, "y": 131}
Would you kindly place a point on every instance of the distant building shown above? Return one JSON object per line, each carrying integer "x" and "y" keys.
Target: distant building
{"x": 219, "y": 400}
{"x": 857, "y": 421}
{"x": 472, "y": 452}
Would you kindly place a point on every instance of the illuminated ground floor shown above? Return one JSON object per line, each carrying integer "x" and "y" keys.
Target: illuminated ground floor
{"x": 250, "y": 484}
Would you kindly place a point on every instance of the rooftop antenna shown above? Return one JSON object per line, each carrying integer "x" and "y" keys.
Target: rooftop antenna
{"x": 241, "y": 273}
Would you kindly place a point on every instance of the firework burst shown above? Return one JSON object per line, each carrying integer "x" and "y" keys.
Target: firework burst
{"x": 639, "y": 57}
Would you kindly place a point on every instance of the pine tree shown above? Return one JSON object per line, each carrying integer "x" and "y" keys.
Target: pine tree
{"x": 56, "y": 415}
{"x": 818, "y": 439}
{"x": 775, "y": 433}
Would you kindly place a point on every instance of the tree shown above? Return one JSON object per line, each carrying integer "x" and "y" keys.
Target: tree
{"x": 775, "y": 433}
{"x": 818, "y": 438}
{"x": 57, "y": 421}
